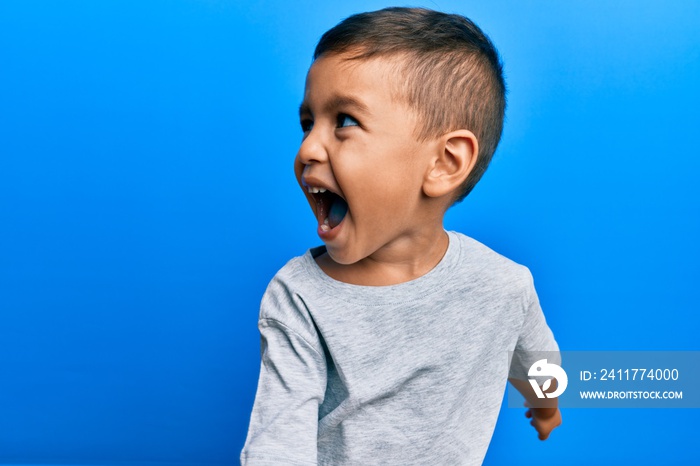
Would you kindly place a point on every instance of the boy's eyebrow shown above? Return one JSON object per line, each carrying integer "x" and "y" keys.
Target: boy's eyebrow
{"x": 334, "y": 103}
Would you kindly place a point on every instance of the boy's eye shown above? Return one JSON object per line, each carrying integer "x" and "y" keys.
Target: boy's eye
{"x": 346, "y": 120}
{"x": 306, "y": 125}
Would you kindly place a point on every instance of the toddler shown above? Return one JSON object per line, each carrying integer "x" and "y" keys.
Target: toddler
{"x": 390, "y": 344}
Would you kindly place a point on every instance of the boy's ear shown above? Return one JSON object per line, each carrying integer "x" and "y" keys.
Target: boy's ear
{"x": 452, "y": 163}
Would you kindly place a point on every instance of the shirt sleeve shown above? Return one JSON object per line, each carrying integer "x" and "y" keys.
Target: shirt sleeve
{"x": 535, "y": 340}
{"x": 291, "y": 386}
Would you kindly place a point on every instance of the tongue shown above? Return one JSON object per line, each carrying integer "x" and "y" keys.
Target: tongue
{"x": 337, "y": 212}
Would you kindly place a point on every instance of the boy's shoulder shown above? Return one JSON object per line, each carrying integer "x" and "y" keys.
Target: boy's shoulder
{"x": 283, "y": 300}
{"x": 298, "y": 269}
{"x": 489, "y": 264}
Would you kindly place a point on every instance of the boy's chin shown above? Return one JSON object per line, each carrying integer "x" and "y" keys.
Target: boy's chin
{"x": 342, "y": 257}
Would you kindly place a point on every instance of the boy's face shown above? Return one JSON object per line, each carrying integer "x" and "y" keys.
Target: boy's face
{"x": 359, "y": 146}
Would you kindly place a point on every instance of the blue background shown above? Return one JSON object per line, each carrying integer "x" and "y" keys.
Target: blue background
{"x": 147, "y": 197}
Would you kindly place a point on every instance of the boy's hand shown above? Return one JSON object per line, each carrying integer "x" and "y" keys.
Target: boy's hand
{"x": 544, "y": 420}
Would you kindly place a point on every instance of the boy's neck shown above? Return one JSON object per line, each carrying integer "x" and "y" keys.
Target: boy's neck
{"x": 414, "y": 258}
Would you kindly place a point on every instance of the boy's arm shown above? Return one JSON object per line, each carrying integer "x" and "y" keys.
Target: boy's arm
{"x": 284, "y": 421}
{"x": 546, "y": 417}
{"x": 535, "y": 342}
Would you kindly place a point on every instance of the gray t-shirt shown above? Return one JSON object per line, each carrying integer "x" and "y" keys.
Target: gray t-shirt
{"x": 407, "y": 374}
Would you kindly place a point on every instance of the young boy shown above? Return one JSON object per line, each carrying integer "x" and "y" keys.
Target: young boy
{"x": 390, "y": 344}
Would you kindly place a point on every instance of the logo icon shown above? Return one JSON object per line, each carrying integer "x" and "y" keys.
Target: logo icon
{"x": 543, "y": 369}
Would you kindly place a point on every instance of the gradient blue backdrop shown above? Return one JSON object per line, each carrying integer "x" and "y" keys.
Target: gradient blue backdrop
{"x": 147, "y": 197}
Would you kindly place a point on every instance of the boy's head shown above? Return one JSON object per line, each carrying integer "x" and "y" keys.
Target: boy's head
{"x": 402, "y": 111}
{"x": 447, "y": 69}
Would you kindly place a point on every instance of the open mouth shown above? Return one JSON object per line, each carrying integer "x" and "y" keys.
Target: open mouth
{"x": 330, "y": 208}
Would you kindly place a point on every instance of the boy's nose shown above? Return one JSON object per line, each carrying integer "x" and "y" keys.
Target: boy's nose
{"x": 312, "y": 149}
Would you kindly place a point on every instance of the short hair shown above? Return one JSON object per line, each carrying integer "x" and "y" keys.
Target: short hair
{"x": 453, "y": 75}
